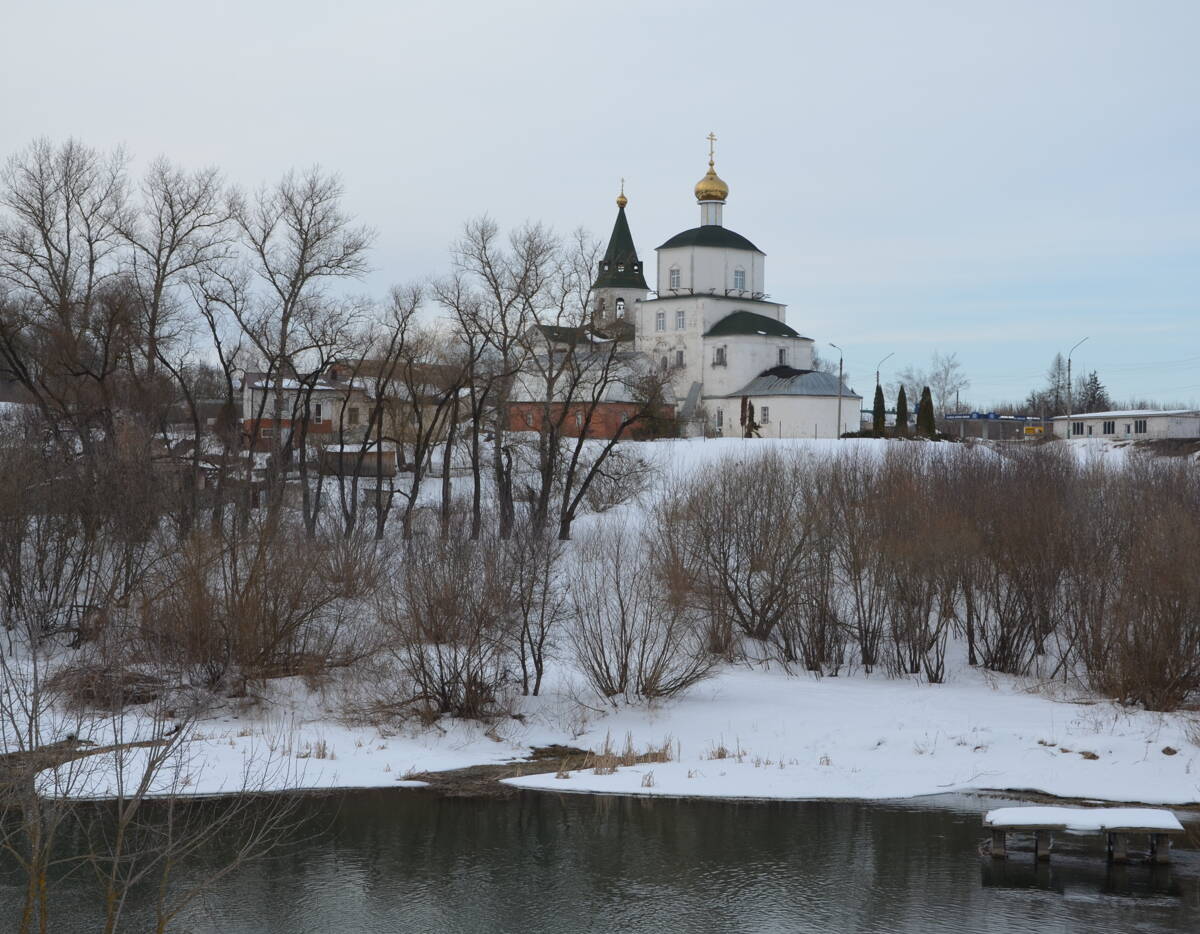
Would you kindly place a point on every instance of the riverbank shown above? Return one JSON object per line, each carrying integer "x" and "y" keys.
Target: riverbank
{"x": 746, "y": 733}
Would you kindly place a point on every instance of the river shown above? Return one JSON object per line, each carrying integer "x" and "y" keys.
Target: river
{"x": 410, "y": 861}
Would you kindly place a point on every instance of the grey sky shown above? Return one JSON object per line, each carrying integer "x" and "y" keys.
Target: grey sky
{"x": 995, "y": 179}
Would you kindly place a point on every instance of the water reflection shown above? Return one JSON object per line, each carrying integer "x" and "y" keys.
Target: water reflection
{"x": 408, "y": 861}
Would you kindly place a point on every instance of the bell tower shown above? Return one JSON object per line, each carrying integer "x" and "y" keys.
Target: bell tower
{"x": 620, "y": 280}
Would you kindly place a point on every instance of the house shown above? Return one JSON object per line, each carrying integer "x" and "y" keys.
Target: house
{"x": 1130, "y": 424}
{"x": 329, "y": 404}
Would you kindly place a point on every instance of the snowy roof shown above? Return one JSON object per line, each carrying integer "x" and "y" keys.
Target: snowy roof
{"x": 351, "y": 447}
{"x": 786, "y": 381}
{"x": 1127, "y": 413}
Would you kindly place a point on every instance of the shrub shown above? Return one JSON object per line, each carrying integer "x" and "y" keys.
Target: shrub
{"x": 630, "y": 639}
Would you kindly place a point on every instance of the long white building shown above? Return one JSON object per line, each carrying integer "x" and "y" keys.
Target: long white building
{"x": 1130, "y": 425}
{"x": 710, "y": 322}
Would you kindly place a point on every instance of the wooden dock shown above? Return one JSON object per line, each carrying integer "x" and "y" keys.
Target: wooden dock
{"x": 1118, "y": 824}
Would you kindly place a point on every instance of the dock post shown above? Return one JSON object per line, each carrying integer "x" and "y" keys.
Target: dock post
{"x": 1117, "y": 852}
{"x": 1041, "y": 846}
{"x": 998, "y": 848}
{"x": 1160, "y": 848}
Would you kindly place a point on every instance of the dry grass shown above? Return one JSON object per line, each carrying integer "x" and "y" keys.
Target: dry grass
{"x": 719, "y": 750}
{"x": 608, "y": 759}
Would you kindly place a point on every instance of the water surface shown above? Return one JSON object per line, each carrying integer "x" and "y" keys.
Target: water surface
{"x": 408, "y": 861}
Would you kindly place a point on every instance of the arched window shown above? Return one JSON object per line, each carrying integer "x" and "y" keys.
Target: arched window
{"x": 620, "y": 308}
{"x": 664, "y": 361}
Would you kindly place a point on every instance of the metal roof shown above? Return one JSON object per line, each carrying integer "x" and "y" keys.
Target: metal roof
{"x": 750, "y": 322}
{"x": 711, "y": 235}
{"x": 785, "y": 381}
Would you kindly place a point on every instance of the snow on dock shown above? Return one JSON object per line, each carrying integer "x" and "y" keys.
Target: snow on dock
{"x": 1084, "y": 820}
{"x": 1117, "y": 823}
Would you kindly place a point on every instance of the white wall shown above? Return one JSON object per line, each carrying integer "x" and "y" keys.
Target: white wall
{"x": 1157, "y": 427}
{"x": 789, "y": 416}
{"x": 746, "y": 356}
{"x": 702, "y": 268}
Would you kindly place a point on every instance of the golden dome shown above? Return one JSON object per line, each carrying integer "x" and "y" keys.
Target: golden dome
{"x": 711, "y": 187}
{"x": 621, "y": 199}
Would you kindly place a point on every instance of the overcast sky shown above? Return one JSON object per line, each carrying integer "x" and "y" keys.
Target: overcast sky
{"x": 993, "y": 179}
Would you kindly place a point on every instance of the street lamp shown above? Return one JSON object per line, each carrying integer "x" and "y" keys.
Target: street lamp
{"x": 838, "y": 434}
{"x": 881, "y": 363}
{"x": 1069, "y": 412}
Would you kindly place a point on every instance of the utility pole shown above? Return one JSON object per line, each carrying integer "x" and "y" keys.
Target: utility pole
{"x": 838, "y": 432}
{"x": 1069, "y": 412}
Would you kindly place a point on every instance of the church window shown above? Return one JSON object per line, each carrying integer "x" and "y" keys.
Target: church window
{"x": 720, "y": 418}
{"x": 620, "y": 267}
{"x": 680, "y": 319}
{"x": 528, "y": 419}
{"x": 766, "y": 414}
{"x": 674, "y": 278}
{"x": 664, "y": 361}
{"x": 578, "y": 419}
{"x": 317, "y": 412}
{"x": 679, "y": 358}
{"x": 660, "y": 321}
{"x": 739, "y": 279}
{"x": 620, "y": 308}
{"x": 1139, "y": 426}
{"x": 1110, "y": 428}
{"x": 782, "y": 356}
{"x": 719, "y": 357}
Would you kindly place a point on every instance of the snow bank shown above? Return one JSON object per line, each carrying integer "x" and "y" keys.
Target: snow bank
{"x": 793, "y": 737}
{"x": 1083, "y": 820}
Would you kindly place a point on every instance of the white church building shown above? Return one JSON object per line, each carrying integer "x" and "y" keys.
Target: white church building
{"x": 710, "y": 322}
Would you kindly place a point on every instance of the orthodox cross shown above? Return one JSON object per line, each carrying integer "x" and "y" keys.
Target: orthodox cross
{"x": 712, "y": 138}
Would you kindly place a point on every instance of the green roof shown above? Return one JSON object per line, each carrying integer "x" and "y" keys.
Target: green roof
{"x": 711, "y": 235}
{"x": 747, "y": 322}
{"x": 620, "y": 267}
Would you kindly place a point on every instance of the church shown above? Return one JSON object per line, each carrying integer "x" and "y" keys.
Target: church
{"x": 711, "y": 324}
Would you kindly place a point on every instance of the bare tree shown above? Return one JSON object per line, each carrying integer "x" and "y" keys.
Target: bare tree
{"x": 298, "y": 238}
{"x": 508, "y": 284}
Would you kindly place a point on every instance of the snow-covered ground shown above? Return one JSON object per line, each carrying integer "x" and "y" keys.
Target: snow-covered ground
{"x": 748, "y": 732}
{"x": 783, "y": 736}
{"x": 873, "y": 737}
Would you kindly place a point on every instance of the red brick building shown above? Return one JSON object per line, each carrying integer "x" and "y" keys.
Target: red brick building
{"x": 606, "y": 418}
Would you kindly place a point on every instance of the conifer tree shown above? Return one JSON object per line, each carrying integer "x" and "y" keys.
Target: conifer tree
{"x": 878, "y": 418}
{"x": 902, "y": 412}
{"x": 925, "y": 423}
{"x": 1094, "y": 397}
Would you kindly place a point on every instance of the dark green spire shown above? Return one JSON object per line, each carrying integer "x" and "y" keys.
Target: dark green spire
{"x": 620, "y": 268}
